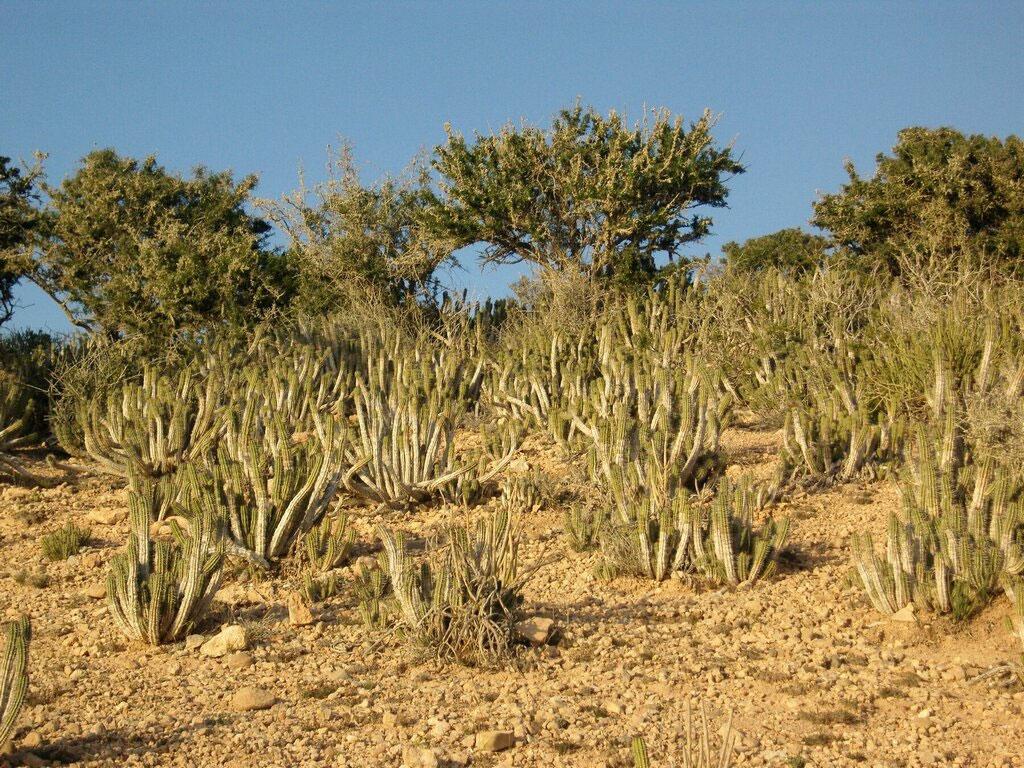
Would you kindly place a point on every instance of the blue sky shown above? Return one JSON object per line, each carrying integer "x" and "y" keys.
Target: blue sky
{"x": 265, "y": 87}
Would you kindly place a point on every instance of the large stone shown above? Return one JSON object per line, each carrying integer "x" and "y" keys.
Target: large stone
{"x": 495, "y": 741}
{"x": 192, "y": 642}
{"x": 905, "y": 614}
{"x": 535, "y": 630}
{"x": 250, "y": 699}
{"x": 299, "y": 614}
{"x": 230, "y": 638}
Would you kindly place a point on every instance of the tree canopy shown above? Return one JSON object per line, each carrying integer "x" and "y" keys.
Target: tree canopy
{"x": 788, "y": 249}
{"x": 940, "y": 195}
{"x": 590, "y": 193}
{"x": 19, "y": 221}
{"x": 130, "y": 248}
{"x": 349, "y": 237}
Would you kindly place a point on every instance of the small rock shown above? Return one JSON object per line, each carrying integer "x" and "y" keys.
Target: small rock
{"x": 108, "y": 516}
{"x": 419, "y": 757}
{"x": 194, "y": 641}
{"x": 535, "y": 630}
{"x": 96, "y": 591}
{"x": 495, "y": 741}
{"x": 238, "y": 660}
{"x": 906, "y": 613}
{"x": 231, "y": 638}
{"x": 250, "y": 699}
{"x": 32, "y": 740}
{"x": 299, "y": 614}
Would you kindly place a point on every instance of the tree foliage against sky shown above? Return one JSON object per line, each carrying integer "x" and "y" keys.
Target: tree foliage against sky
{"x": 349, "y": 237}
{"x": 788, "y": 249}
{"x": 132, "y": 249}
{"x": 939, "y": 195}
{"x": 19, "y": 221}
{"x": 590, "y": 193}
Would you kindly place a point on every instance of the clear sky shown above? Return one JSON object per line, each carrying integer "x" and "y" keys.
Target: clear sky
{"x": 265, "y": 87}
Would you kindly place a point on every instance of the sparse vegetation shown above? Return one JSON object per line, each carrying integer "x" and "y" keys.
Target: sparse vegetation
{"x": 64, "y": 542}
{"x": 264, "y": 405}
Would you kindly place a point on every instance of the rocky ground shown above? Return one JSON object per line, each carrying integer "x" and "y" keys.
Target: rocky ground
{"x": 812, "y": 675}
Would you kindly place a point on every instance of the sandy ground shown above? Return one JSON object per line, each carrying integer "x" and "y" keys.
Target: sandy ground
{"x": 812, "y": 674}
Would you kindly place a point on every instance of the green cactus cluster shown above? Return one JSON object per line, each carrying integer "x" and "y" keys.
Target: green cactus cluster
{"x": 16, "y": 427}
{"x": 13, "y": 674}
{"x": 158, "y": 591}
{"x": 64, "y": 542}
{"x": 584, "y": 525}
{"x": 959, "y": 537}
{"x": 328, "y": 545}
{"x": 718, "y": 541}
{"x": 461, "y": 602}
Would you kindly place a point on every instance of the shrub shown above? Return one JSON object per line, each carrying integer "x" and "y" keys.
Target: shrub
{"x": 462, "y": 603}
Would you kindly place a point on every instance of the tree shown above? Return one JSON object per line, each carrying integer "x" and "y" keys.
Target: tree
{"x": 132, "y": 249}
{"x": 941, "y": 195}
{"x": 19, "y": 221}
{"x": 590, "y": 193}
{"x": 788, "y": 249}
{"x": 348, "y": 238}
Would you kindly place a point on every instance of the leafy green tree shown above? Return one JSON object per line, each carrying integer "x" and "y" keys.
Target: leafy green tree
{"x": 348, "y": 239}
{"x": 130, "y": 248}
{"x": 941, "y": 196}
{"x": 791, "y": 250}
{"x": 591, "y": 193}
{"x": 19, "y": 221}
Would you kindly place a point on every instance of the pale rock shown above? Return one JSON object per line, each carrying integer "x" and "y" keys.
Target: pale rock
{"x": 419, "y": 757}
{"x": 192, "y": 642}
{"x": 230, "y": 638}
{"x": 495, "y": 741}
{"x": 107, "y": 516}
{"x": 299, "y": 614}
{"x": 905, "y": 614}
{"x": 535, "y": 630}
{"x": 96, "y": 591}
{"x": 250, "y": 699}
{"x": 32, "y": 740}
{"x": 238, "y": 660}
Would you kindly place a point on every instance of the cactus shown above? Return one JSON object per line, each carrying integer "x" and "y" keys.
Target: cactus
{"x": 157, "y": 590}
{"x": 16, "y": 419}
{"x": 654, "y": 431}
{"x": 960, "y": 533}
{"x": 584, "y": 526}
{"x": 462, "y": 602}
{"x": 523, "y": 493}
{"x": 639, "y": 749}
{"x": 13, "y": 675}
{"x": 64, "y": 542}
{"x": 727, "y": 548}
{"x": 701, "y": 750}
{"x": 328, "y": 544}
{"x": 654, "y": 545}
{"x": 152, "y": 427}
{"x": 276, "y": 486}
{"x": 317, "y": 587}
{"x": 372, "y": 587}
